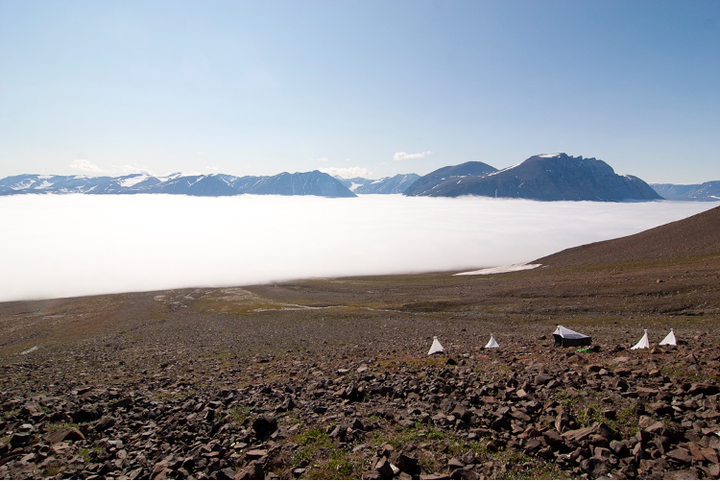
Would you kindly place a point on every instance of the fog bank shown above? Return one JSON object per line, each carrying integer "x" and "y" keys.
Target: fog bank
{"x": 71, "y": 245}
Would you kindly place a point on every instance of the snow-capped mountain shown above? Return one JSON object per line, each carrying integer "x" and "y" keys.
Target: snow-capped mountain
{"x": 313, "y": 183}
{"x": 387, "y": 185}
{"x": 545, "y": 177}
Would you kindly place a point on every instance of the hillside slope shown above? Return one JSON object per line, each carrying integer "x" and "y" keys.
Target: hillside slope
{"x": 694, "y": 236}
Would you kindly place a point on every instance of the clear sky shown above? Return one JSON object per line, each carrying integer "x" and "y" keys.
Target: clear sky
{"x": 373, "y": 88}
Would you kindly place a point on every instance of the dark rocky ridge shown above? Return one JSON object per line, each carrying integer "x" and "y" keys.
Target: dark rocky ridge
{"x": 329, "y": 378}
{"x": 556, "y": 177}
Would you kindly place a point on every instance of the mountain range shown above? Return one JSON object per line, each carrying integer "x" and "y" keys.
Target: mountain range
{"x": 387, "y": 185}
{"x": 707, "y": 191}
{"x": 313, "y": 183}
{"x": 545, "y": 177}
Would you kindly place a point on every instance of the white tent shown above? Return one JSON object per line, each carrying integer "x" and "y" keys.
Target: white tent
{"x": 436, "y": 347}
{"x": 643, "y": 343}
{"x": 492, "y": 343}
{"x": 566, "y": 337}
{"x": 669, "y": 339}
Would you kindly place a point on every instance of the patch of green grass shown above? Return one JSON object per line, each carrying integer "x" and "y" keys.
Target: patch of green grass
{"x": 239, "y": 414}
{"x": 627, "y": 420}
{"x": 691, "y": 373}
{"x": 91, "y": 454}
{"x": 9, "y": 414}
{"x": 311, "y": 442}
{"x": 53, "y": 471}
{"x": 518, "y": 466}
{"x": 340, "y": 465}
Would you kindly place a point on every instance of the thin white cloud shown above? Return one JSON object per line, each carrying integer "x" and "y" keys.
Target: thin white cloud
{"x": 322, "y": 159}
{"x": 153, "y": 249}
{"x": 347, "y": 172}
{"x": 404, "y": 156}
{"x": 86, "y": 166}
{"x": 127, "y": 169}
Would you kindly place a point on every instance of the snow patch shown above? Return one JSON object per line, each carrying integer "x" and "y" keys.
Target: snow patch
{"x": 131, "y": 181}
{"x": 548, "y": 156}
{"x": 22, "y": 185}
{"x": 509, "y": 268}
{"x": 29, "y": 350}
{"x": 502, "y": 170}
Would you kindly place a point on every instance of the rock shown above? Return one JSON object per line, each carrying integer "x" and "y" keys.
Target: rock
{"x": 553, "y": 438}
{"x": 595, "y": 467}
{"x": 264, "y": 427}
{"x": 255, "y": 454}
{"x": 562, "y": 422}
{"x": 371, "y": 475}
{"x": 384, "y": 469}
{"x": 104, "y": 423}
{"x": 71, "y": 434}
{"x": 226, "y": 474}
{"x": 340, "y": 432}
{"x": 533, "y": 445}
{"x": 688, "y": 474}
{"x": 20, "y": 439}
{"x": 408, "y": 464}
{"x": 542, "y": 378}
{"x": 680, "y": 455}
{"x": 620, "y": 448}
{"x": 578, "y": 435}
{"x": 435, "y": 477}
{"x": 254, "y": 471}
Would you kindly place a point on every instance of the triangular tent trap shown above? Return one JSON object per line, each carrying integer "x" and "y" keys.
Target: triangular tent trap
{"x": 492, "y": 343}
{"x": 669, "y": 339}
{"x": 436, "y": 347}
{"x": 643, "y": 343}
{"x": 566, "y": 337}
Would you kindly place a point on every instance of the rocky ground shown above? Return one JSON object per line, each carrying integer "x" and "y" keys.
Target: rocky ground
{"x": 330, "y": 379}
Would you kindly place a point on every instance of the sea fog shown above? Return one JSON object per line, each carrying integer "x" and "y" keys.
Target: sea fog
{"x": 71, "y": 245}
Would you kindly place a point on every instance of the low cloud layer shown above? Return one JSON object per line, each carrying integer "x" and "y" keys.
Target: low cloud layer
{"x": 59, "y": 246}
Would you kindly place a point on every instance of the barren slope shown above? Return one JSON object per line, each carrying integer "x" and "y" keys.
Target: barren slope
{"x": 695, "y": 236}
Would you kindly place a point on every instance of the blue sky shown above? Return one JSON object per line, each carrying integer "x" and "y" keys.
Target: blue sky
{"x": 373, "y": 88}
